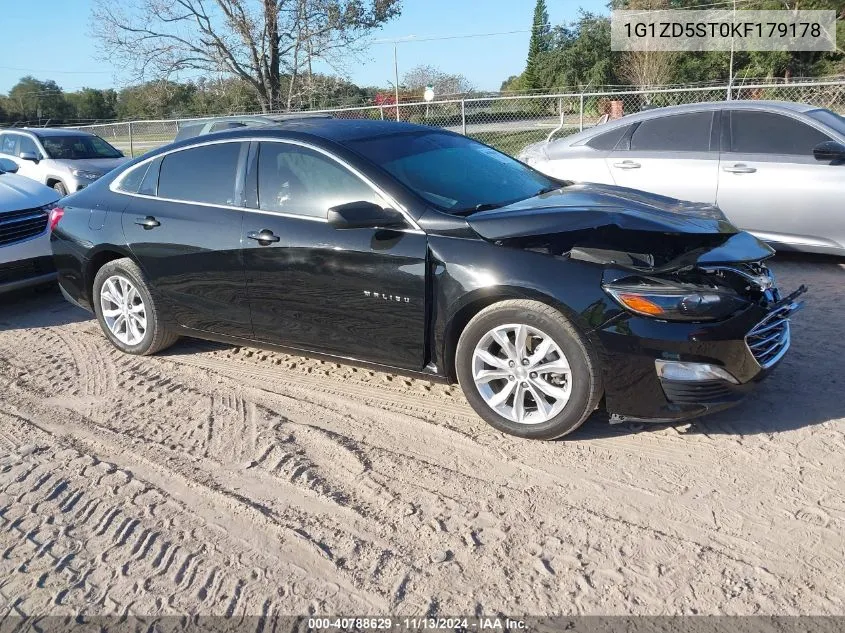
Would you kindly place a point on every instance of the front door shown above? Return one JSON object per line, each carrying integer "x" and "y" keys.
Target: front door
{"x": 357, "y": 293}
{"x": 676, "y": 156}
{"x": 771, "y": 184}
{"x": 184, "y": 227}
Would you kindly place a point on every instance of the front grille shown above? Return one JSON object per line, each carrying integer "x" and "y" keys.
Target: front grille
{"x": 769, "y": 339}
{"x": 21, "y": 225}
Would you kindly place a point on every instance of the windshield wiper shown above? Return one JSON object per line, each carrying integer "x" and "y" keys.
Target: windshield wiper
{"x": 485, "y": 206}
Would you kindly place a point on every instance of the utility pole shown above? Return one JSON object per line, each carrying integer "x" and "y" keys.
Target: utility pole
{"x": 731, "y": 66}
{"x": 396, "y": 78}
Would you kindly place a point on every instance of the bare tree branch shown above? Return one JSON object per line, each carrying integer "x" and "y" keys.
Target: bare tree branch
{"x": 258, "y": 41}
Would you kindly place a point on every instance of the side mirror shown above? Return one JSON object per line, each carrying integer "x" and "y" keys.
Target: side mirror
{"x": 8, "y": 166}
{"x": 829, "y": 151}
{"x": 364, "y": 215}
{"x": 29, "y": 156}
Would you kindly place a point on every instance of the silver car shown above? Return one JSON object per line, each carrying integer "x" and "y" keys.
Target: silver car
{"x": 219, "y": 124}
{"x": 776, "y": 169}
{"x": 26, "y": 216}
{"x": 66, "y": 160}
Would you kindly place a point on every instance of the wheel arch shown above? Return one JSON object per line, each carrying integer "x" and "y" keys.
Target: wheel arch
{"x": 51, "y": 180}
{"x": 476, "y": 301}
{"x": 99, "y": 259}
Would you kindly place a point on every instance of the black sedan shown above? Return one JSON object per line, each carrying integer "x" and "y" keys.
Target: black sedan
{"x": 422, "y": 251}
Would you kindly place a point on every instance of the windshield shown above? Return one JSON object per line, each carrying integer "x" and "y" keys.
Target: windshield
{"x": 830, "y": 119}
{"x": 78, "y": 147}
{"x": 454, "y": 173}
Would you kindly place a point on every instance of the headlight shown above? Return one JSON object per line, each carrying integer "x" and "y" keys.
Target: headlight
{"x": 675, "y": 304}
{"x": 87, "y": 175}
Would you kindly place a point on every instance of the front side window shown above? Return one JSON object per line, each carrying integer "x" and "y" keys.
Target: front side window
{"x": 755, "y": 132}
{"x": 201, "y": 174}
{"x": 829, "y": 118}
{"x": 677, "y": 133}
{"x": 27, "y": 145}
{"x": 298, "y": 180}
{"x": 454, "y": 173}
{"x": 78, "y": 147}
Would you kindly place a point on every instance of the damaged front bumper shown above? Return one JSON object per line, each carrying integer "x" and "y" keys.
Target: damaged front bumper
{"x": 747, "y": 347}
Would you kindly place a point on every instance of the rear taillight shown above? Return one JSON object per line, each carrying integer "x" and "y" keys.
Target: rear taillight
{"x": 56, "y": 214}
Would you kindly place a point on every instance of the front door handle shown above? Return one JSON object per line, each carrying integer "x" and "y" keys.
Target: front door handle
{"x": 627, "y": 164}
{"x": 739, "y": 168}
{"x": 265, "y": 237}
{"x": 148, "y": 222}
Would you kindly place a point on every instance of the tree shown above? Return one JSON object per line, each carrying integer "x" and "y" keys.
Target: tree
{"x": 91, "y": 104}
{"x": 444, "y": 84}
{"x": 258, "y": 41}
{"x": 538, "y": 45}
{"x": 33, "y": 99}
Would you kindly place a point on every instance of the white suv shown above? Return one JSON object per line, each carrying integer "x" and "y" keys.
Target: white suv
{"x": 66, "y": 160}
{"x": 26, "y": 216}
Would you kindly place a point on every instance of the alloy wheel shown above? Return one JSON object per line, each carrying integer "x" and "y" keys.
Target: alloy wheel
{"x": 521, "y": 373}
{"x": 123, "y": 310}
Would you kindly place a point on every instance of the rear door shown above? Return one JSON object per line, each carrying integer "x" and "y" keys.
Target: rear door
{"x": 358, "y": 293}
{"x": 675, "y": 155}
{"x": 771, "y": 184}
{"x": 184, "y": 228}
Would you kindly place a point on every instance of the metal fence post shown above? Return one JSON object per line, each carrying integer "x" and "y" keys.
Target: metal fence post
{"x": 463, "y": 117}
{"x": 381, "y": 110}
{"x": 131, "y": 145}
{"x": 581, "y": 120}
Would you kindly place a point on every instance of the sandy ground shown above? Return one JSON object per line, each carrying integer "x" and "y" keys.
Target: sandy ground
{"x": 217, "y": 480}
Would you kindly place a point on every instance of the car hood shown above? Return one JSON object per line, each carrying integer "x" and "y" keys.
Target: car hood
{"x": 585, "y": 206}
{"x": 613, "y": 220}
{"x": 97, "y": 165}
{"x": 18, "y": 193}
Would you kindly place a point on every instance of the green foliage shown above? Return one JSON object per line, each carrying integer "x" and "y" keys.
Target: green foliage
{"x": 537, "y": 46}
{"x": 579, "y": 56}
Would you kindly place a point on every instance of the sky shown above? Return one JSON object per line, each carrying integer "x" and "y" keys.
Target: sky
{"x": 50, "y": 39}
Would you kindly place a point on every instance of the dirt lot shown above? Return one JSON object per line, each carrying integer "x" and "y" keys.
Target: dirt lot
{"x": 217, "y": 480}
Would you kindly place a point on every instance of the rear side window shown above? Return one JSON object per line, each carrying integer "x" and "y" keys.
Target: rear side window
{"x": 189, "y": 131}
{"x": 131, "y": 182}
{"x": 767, "y": 133}
{"x": 9, "y": 144}
{"x": 608, "y": 140}
{"x": 225, "y": 125}
{"x": 201, "y": 174}
{"x": 298, "y": 180}
{"x": 677, "y": 133}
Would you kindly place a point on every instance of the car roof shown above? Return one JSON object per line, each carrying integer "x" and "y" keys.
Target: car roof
{"x": 655, "y": 113}
{"x": 783, "y": 106}
{"x": 331, "y": 129}
{"x": 49, "y": 131}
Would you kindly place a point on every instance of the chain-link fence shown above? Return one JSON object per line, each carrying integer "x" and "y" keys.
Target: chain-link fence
{"x": 511, "y": 123}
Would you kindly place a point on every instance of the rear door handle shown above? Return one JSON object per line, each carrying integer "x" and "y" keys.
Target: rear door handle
{"x": 627, "y": 164}
{"x": 148, "y": 222}
{"x": 739, "y": 168}
{"x": 265, "y": 237}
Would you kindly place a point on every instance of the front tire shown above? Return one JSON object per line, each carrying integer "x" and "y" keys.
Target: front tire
{"x": 126, "y": 310}
{"x": 527, "y": 371}
{"x": 60, "y": 188}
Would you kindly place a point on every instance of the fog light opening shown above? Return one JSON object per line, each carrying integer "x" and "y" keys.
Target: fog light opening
{"x": 682, "y": 371}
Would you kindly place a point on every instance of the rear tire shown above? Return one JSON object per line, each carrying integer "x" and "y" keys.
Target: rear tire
{"x": 128, "y": 314}
{"x": 59, "y": 187}
{"x": 527, "y": 371}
